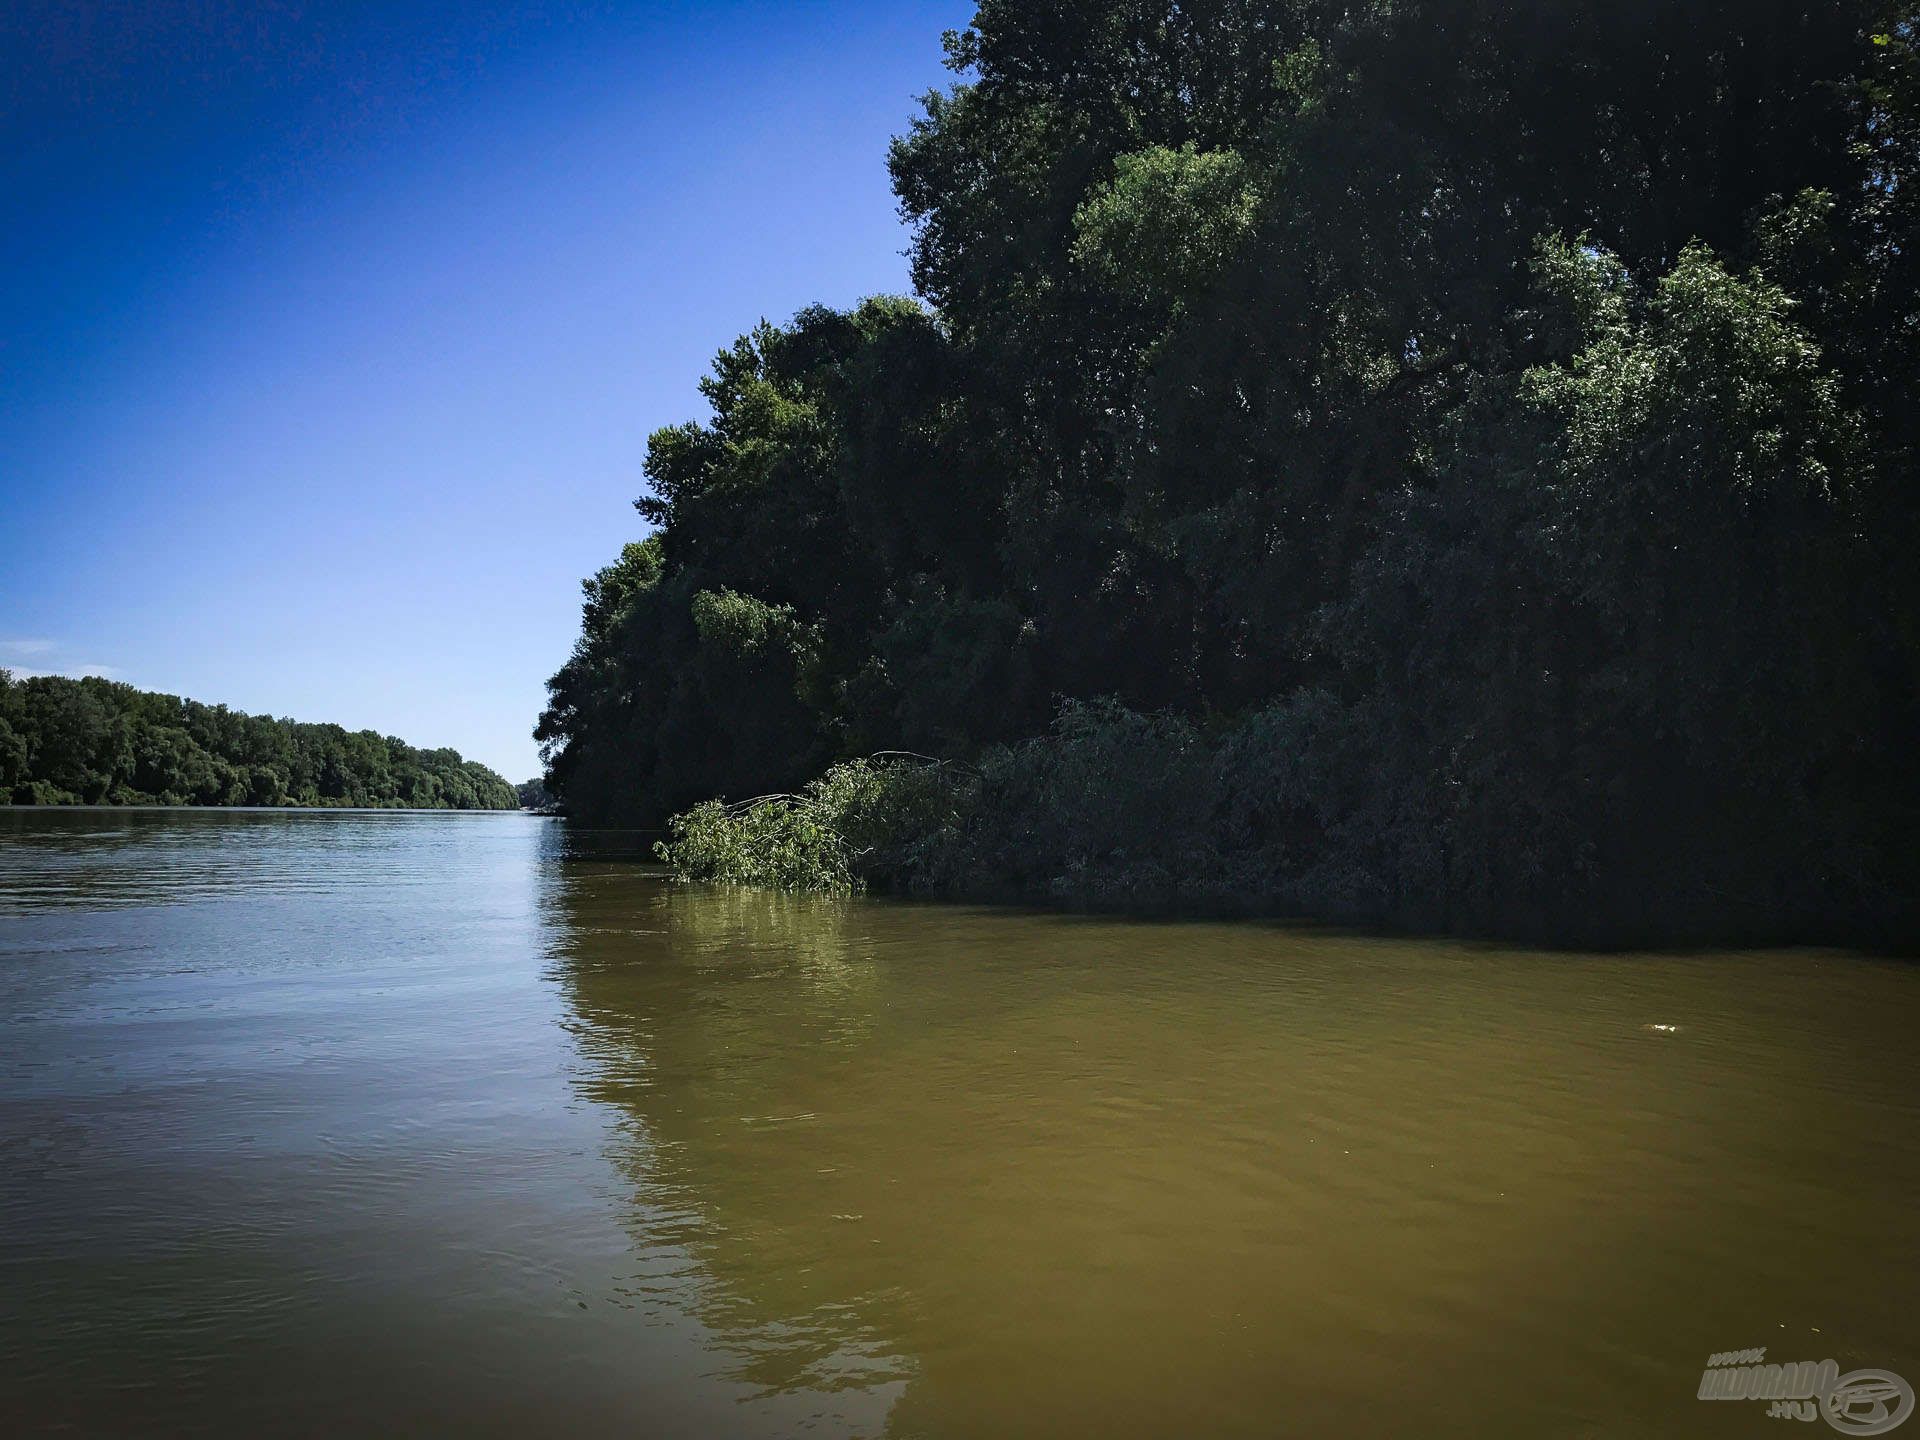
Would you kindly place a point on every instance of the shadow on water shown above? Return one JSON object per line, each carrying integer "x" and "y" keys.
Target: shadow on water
{"x": 1059, "y": 1175}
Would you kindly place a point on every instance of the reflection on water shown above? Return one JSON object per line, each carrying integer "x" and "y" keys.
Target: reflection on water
{"x": 1079, "y": 1176}
{"x": 398, "y": 1121}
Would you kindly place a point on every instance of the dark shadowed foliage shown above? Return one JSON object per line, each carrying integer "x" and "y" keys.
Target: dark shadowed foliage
{"x": 1454, "y": 461}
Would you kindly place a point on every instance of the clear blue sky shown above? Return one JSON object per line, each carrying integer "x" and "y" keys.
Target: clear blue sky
{"x": 331, "y": 334}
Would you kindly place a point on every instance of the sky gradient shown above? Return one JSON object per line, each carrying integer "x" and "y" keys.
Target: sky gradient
{"x": 331, "y": 334}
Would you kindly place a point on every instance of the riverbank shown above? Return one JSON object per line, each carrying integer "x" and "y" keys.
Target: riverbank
{"x": 1114, "y": 810}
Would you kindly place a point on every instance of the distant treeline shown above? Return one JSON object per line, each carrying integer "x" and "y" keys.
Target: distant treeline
{"x": 1445, "y": 462}
{"x": 94, "y": 742}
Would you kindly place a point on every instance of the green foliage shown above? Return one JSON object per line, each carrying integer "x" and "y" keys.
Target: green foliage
{"x": 1168, "y": 222}
{"x": 1413, "y": 462}
{"x": 861, "y": 821}
{"x": 13, "y": 757}
{"x": 738, "y": 624}
{"x": 93, "y": 741}
{"x": 1110, "y": 807}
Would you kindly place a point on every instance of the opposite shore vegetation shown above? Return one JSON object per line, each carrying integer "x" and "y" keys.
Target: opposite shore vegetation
{"x": 99, "y": 742}
{"x": 1411, "y": 464}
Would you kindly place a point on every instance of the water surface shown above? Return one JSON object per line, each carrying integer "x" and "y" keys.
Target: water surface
{"x": 384, "y": 1122}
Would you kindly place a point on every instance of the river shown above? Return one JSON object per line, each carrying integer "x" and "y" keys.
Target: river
{"x": 357, "y": 1123}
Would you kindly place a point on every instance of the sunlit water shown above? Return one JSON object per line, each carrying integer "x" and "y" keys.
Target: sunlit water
{"x": 372, "y": 1123}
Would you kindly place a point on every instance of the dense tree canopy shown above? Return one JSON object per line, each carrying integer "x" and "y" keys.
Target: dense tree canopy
{"x": 93, "y": 741}
{"x": 1485, "y": 431}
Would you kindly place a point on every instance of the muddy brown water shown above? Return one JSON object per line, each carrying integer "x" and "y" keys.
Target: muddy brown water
{"x": 363, "y": 1123}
